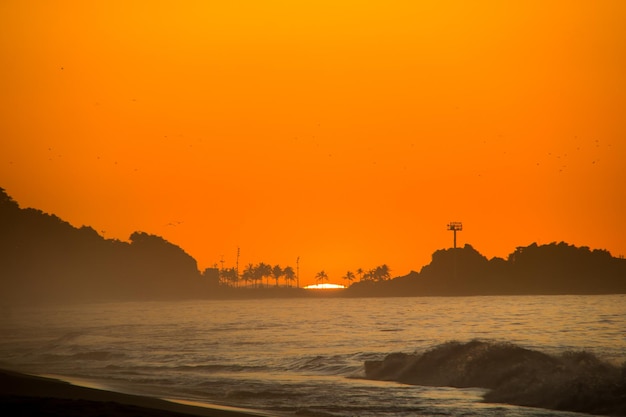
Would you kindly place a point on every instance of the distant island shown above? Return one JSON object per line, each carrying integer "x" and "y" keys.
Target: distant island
{"x": 44, "y": 259}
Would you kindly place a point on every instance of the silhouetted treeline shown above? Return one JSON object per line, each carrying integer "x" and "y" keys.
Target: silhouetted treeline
{"x": 557, "y": 268}
{"x": 45, "y": 259}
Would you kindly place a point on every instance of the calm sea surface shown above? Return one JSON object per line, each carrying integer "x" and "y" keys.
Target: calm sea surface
{"x": 299, "y": 356}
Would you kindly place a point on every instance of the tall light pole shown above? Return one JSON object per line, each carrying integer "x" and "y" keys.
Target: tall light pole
{"x": 237, "y": 266}
{"x": 455, "y": 227}
{"x": 298, "y": 272}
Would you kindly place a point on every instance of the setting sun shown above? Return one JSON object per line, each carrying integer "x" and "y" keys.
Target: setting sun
{"x": 324, "y": 286}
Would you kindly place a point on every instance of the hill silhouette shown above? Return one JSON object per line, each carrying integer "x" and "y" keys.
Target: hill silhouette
{"x": 556, "y": 268}
{"x": 45, "y": 259}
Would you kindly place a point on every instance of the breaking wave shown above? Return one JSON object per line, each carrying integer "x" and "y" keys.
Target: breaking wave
{"x": 571, "y": 381}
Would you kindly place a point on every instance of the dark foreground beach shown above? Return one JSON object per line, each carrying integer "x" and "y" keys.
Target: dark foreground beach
{"x": 28, "y": 395}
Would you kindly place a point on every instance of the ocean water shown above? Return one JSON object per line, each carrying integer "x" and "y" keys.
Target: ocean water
{"x": 300, "y": 356}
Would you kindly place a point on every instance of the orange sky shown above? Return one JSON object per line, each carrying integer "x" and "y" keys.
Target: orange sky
{"x": 347, "y": 134}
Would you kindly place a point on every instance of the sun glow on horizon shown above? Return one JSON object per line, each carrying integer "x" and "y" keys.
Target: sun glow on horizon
{"x": 324, "y": 287}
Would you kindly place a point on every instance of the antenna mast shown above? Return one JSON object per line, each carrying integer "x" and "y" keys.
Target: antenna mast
{"x": 237, "y": 266}
{"x": 454, "y": 227}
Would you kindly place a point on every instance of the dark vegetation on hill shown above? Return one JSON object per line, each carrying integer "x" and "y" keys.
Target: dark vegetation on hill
{"x": 45, "y": 259}
{"x": 546, "y": 269}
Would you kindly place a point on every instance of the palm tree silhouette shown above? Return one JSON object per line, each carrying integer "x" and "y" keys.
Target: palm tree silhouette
{"x": 349, "y": 276}
{"x": 289, "y": 275}
{"x": 230, "y": 276}
{"x": 277, "y": 272}
{"x": 382, "y": 273}
{"x": 264, "y": 271}
{"x": 249, "y": 274}
{"x": 360, "y": 273}
{"x": 321, "y": 276}
{"x": 368, "y": 275}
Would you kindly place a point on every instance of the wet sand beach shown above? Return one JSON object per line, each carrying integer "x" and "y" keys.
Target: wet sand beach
{"x": 29, "y": 395}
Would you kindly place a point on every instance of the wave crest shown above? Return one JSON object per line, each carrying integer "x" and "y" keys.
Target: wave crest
{"x": 572, "y": 381}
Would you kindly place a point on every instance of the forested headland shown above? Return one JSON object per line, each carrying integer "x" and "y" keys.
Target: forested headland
{"x": 551, "y": 269}
{"x": 45, "y": 259}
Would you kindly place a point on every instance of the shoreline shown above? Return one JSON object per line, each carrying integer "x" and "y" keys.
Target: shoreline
{"x": 32, "y": 395}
